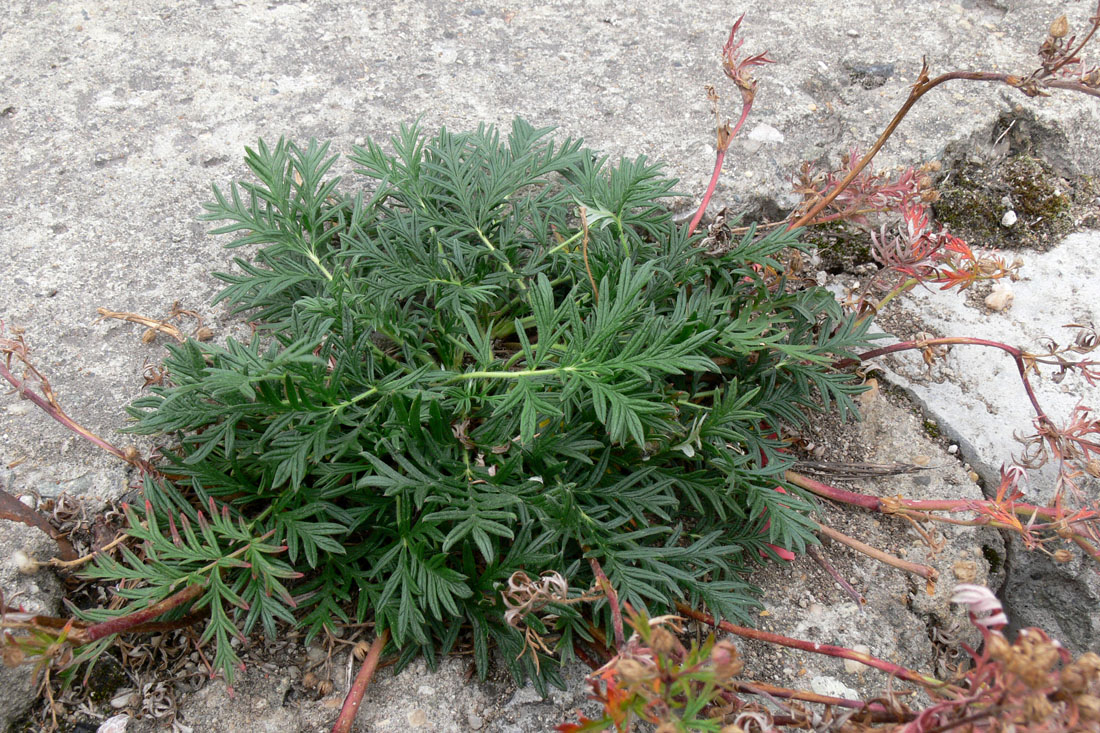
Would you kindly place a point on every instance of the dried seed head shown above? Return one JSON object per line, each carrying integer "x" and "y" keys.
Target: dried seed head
{"x": 204, "y": 334}
{"x": 309, "y": 681}
{"x": 1062, "y": 555}
{"x": 325, "y": 687}
{"x": 148, "y": 336}
{"x": 1093, "y": 467}
{"x": 131, "y": 453}
{"x": 727, "y": 663}
{"x": 1090, "y": 662}
{"x": 662, "y": 642}
{"x": 999, "y": 648}
{"x": 360, "y": 650}
{"x": 1088, "y": 707}
{"x": 1037, "y": 708}
{"x": 631, "y": 671}
{"x": 1075, "y": 679}
{"x": 1060, "y": 27}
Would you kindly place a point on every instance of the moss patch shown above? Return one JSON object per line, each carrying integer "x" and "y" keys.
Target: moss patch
{"x": 976, "y": 197}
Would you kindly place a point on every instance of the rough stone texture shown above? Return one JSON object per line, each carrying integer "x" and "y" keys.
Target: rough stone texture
{"x": 417, "y": 699}
{"x": 38, "y": 593}
{"x": 904, "y": 620}
{"x": 115, "y": 117}
{"x": 975, "y": 393}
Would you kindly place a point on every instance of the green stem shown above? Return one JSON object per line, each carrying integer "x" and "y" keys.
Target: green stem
{"x": 564, "y": 244}
{"x": 509, "y": 375}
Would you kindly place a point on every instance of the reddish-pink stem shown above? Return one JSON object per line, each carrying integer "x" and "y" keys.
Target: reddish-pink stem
{"x": 923, "y": 86}
{"x": 53, "y": 410}
{"x": 612, "y": 599}
{"x": 359, "y": 687}
{"x": 919, "y": 509}
{"x": 1016, "y": 354}
{"x": 710, "y": 191}
{"x": 725, "y": 135}
{"x": 810, "y": 646}
{"x": 126, "y": 623}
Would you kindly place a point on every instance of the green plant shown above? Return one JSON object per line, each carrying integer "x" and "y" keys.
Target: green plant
{"x": 505, "y": 356}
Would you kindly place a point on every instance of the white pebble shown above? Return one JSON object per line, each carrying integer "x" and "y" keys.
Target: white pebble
{"x": 1008, "y": 219}
{"x": 1001, "y": 298}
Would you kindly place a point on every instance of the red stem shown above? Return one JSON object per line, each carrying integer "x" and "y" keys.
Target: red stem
{"x": 1016, "y": 354}
{"x": 923, "y": 86}
{"x": 359, "y": 687}
{"x": 809, "y": 646}
{"x": 891, "y": 506}
{"x": 51, "y": 408}
{"x": 725, "y": 135}
{"x": 124, "y": 624}
{"x": 710, "y": 191}
{"x": 612, "y": 599}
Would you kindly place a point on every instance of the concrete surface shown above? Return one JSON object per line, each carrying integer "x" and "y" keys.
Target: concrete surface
{"x": 33, "y": 592}
{"x": 976, "y": 395}
{"x": 116, "y": 116}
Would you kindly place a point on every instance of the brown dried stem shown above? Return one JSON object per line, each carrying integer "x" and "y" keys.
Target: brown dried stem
{"x": 152, "y": 323}
{"x": 924, "y": 571}
{"x": 15, "y": 510}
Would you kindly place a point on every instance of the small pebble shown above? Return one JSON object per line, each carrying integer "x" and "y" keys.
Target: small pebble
{"x": 952, "y": 449}
{"x": 1008, "y": 219}
{"x": 921, "y": 460}
{"x": 973, "y": 476}
{"x": 1001, "y": 298}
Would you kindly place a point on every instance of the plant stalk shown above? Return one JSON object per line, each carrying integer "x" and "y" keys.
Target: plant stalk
{"x": 809, "y": 646}
{"x": 358, "y": 688}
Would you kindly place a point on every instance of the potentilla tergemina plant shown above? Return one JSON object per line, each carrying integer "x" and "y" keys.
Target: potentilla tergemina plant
{"x": 503, "y": 355}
